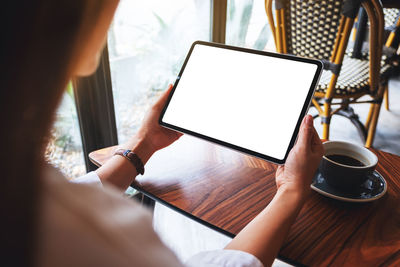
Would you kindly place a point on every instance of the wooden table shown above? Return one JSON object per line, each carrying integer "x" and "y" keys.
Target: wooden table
{"x": 225, "y": 190}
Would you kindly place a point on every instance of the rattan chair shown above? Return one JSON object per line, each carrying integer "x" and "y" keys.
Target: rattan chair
{"x": 390, "y": 57}
{"x": 392, "y": 26}
{"x": 320, "y": 29}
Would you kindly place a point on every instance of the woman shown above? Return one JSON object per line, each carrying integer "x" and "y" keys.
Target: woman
{"x": 47, "y": 221}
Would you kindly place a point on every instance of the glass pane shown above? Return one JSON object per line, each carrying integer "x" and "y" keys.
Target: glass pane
{"x": 64, "y": 149}
{"x": 147, "y": 44}
{"x": 247, "y": 25}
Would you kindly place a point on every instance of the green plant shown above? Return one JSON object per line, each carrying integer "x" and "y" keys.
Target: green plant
{"x": 70, "y": 90}
{"x": 238, "y": 21}
{"x": 175, "y": 61}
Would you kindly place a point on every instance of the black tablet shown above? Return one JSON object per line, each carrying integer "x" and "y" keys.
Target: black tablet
{"x": 248, "y": 100}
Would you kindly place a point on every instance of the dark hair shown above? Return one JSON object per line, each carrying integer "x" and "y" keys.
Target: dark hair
{"x": 38, "y": 50}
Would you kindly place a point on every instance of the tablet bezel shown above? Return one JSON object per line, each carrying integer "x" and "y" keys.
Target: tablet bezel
{"x": 303, "y": 112}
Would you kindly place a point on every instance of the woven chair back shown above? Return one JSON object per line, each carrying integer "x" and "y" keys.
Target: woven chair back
{"x": 312, "y": 26}
{"x": 391, "y": 16}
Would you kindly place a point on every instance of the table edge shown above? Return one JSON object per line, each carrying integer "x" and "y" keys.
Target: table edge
{"x": 204, "y": 223}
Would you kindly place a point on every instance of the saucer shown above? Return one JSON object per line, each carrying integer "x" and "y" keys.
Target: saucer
{"x": 372, "y": 189}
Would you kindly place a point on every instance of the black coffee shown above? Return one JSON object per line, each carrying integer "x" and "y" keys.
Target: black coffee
{"x": 346, "y": 160}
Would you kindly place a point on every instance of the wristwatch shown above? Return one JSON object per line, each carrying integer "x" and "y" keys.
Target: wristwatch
{"x": 133, "y": 158}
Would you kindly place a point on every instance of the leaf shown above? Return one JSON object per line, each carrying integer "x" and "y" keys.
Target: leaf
{"x": 262, "y": 38}
{"x": 231, "y": 10}
{"x": 70, "y": 90}
{"x": 161, "y": 22}
{"x": 244, "y": 22}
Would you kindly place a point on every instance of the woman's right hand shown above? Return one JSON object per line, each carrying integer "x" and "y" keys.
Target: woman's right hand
{"x": 303, "y": 160}
{"x": 150, "y": 138}
{"x": 151, "y": 132}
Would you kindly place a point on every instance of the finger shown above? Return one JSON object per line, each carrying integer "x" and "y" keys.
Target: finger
{"x": 306, "y": 132}
{"x": 178, "y": 135}
{"x": 165, "y": 95}
{"x": 300, "y": 131}
{"x": 279, "y": 170}
{"x": 315, "y": 137}
{"x": 163, "y": 98}
{"x": 316, "y": 144}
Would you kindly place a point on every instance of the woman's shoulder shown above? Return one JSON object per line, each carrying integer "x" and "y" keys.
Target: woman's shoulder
{"x": 87, "y": 225}
{"x": 83, "y": 198}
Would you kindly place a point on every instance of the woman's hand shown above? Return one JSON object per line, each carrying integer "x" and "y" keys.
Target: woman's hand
{"x": 264, "y": 235}
{"x": 302, "y": 162}
{"x": 150, "y": 138}
{"x": 155, "y": 136}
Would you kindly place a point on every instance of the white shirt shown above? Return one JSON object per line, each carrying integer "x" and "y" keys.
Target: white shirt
{"x": 81, "y": 224}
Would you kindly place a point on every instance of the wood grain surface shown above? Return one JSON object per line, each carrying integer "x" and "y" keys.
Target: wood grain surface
{"x": 225, "y": 190}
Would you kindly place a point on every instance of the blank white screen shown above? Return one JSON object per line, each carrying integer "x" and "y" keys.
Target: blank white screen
{"x": 248, "y": 100}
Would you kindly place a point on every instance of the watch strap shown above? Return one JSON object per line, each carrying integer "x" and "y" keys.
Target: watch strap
{"x": 133, "y": 158}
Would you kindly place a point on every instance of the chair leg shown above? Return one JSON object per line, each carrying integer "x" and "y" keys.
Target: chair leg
{"x": 386, "y": 97}
{"x": 325, "y": 131}
{"x": 372, "y": 126}
{"x": 369, "y": 117}
{"x": 348, "y": 112}
{"x": 326, "y": 120}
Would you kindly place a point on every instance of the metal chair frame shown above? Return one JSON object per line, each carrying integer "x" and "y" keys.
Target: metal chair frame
{"x": 390, "y": 48}
{"x": 323, "y": 101}
{"x": 392, "y": 42}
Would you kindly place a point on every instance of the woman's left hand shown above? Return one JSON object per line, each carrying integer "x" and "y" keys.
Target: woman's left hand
{"x": 303, "y": 160}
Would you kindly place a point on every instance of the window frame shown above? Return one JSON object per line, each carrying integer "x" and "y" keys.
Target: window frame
{"x": 95, "y": 108}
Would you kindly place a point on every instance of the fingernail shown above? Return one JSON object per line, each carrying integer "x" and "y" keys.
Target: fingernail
{"x": 309, "y": 120}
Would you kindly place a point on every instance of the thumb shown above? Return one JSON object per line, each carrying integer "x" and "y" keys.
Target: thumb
{"x": 306, "y": 132}
{"x": 163, "y": 98}
{"x": 316, "y": 144}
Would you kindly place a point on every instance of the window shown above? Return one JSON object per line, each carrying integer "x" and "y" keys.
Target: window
{"x": 64, "y": 149}
{"x": 247, "y": 25}
{"x": 148, "y": 41}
